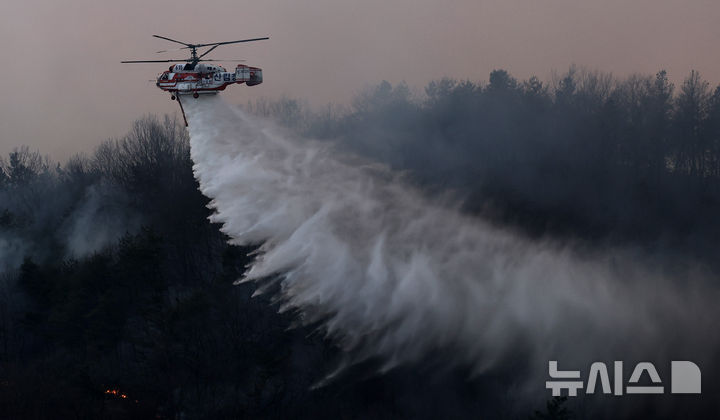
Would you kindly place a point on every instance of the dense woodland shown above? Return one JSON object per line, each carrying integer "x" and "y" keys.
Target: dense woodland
{"x": 585, "y": 155}
{"x": 116, "y": 295}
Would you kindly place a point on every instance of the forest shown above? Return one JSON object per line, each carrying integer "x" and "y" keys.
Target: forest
{"x": 117, "y": 296}
{"x": 584, "y": 156}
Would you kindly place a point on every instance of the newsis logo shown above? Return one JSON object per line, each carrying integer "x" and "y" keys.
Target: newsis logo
{"x": 685, "y": 378}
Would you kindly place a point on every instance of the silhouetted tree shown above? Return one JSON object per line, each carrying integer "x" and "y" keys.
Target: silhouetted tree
{"x": 691, "y": 113}
{"x": 554, "y": 410}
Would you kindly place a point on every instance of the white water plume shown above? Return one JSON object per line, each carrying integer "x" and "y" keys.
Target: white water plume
{"x": 394, "y": 275}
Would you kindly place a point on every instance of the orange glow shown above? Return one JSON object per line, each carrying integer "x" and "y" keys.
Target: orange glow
{"x": 116, "y": 393}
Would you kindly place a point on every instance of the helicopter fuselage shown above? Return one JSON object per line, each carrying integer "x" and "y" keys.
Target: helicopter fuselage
{"x": 186, "y": 79}
{"x": 195, "y": 77}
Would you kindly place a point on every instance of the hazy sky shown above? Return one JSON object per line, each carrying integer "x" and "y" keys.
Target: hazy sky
{"x": 64, "y": 89}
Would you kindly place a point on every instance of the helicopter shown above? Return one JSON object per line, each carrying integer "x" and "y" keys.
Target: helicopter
{"x": 195, "y": 77}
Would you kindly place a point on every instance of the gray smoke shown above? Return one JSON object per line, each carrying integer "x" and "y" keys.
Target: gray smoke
{"x": 100, "y": 219}
{"x": 392, "y": 274}
{"x": 12, "y": 251}
{"x": 44, "y": 218}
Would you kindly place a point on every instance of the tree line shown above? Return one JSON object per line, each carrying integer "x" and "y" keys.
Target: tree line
{"x": 585, "y": 155}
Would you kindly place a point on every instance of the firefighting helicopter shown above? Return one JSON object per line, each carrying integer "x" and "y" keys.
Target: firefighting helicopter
{"x": 196, "y": 78}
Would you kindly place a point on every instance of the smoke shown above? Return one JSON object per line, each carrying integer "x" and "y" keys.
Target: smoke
{"x": 394, "y": 275}
{"x": 12, "y": 251}
{"x": 50, "y": 218}
{"x": 100, "y": 219}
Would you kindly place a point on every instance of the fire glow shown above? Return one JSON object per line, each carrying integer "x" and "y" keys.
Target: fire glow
{"x": 116, "y": 393}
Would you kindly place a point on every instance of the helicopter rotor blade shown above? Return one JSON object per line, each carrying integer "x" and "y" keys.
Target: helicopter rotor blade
{"x": 174, "y": 61}
{"x": 152, "y": 61}
{"x": 227, "y": 61}
{"x": 171, "y": 49}
{"x": 169, "y": 39}
{"x": 193, "y": 47}
{"x": 229, "y": 42}
{"x": 208, "y": 51}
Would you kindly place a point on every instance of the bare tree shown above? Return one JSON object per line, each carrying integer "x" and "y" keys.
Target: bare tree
{"x": 691, "y": 112}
